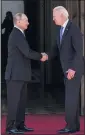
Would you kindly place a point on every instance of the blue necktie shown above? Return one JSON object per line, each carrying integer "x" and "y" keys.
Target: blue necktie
{"x": 61, "y": 33}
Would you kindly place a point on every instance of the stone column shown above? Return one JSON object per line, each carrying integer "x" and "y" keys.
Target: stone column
{"x": 40, "y": 35}
{"x": 76, "y": 11}
{"x": 82, "y": 13}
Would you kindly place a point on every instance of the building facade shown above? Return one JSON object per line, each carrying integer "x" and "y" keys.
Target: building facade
{"x": 41, "y": 36}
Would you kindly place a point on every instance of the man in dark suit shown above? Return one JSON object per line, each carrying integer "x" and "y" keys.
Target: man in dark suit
{"x": 69, "y": 46}
{"x": 18, "y": 74}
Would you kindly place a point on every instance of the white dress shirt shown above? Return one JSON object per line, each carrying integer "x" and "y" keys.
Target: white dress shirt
{"x": 64, "y": 25}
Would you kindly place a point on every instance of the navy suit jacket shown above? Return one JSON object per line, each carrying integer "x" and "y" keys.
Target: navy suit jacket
{"x": 70, "y": 50}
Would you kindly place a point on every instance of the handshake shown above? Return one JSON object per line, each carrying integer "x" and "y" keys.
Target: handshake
{"x": 44, "y": 57}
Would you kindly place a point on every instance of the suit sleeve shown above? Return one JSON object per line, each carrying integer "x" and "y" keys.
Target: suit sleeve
{"x": 77, "y": 43}
{"x": 24, "y": 48}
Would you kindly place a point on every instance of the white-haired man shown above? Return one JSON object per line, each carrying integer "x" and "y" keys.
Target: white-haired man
{"x": 69, "y": 44}
{"x": 18, "y": 74}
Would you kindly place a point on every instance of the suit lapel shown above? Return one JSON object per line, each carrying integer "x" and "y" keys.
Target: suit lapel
{"x": 65, "y": 32}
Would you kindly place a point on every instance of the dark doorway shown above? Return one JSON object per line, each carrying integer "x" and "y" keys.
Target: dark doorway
{"x": 44, "y": 95}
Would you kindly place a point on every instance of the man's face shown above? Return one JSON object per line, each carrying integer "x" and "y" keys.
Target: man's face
{"x": 57, "y": 17}
{"x": 23, "y": 22}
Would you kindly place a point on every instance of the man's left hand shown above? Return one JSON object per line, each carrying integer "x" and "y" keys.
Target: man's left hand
{"x": 70, "y": 74}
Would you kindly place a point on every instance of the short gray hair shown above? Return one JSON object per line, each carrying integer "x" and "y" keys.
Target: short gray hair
{"x": 17, "y": 16}
{"x": 62, "y": 10}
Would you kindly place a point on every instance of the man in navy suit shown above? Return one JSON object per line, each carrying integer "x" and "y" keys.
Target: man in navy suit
{"x": 69, "y": 46}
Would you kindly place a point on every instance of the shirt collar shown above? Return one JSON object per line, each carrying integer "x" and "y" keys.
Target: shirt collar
{"x": 19, "y": 28}
{"x": 64, "y": 25}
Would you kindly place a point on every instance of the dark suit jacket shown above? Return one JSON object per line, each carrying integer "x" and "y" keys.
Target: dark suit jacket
{"x": 70, "y": 50}
{"x": 19, "y": 55}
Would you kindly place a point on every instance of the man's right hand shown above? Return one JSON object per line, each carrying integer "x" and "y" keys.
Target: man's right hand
{"x": 44, "y": 57}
